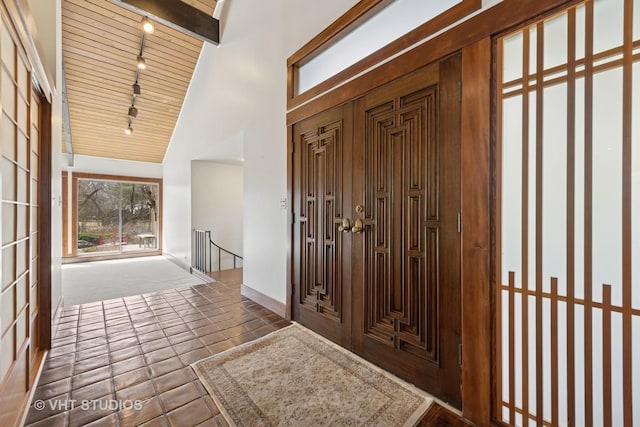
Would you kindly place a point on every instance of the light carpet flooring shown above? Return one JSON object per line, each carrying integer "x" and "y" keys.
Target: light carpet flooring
{"x": 104, "y": 280}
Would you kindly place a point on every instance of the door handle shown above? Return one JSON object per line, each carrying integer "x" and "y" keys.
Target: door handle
{"x": 358, "y": 226}
{"x": 345, "y": 227}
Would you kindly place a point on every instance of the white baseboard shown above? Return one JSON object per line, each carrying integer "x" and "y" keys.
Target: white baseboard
{"x": 267, "y": 302}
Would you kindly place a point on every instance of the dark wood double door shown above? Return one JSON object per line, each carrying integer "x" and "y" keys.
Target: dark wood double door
{"x": 376, "y": 243}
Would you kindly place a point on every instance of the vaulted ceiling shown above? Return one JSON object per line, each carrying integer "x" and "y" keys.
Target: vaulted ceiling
{"x": 100, "y": 42}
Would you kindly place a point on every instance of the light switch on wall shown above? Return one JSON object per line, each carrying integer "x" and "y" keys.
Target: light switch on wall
{"x": 283, "y": 203}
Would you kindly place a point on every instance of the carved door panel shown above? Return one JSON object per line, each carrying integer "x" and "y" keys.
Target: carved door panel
{"x": 321, "y": 246}
{"x": 407, "y": 257}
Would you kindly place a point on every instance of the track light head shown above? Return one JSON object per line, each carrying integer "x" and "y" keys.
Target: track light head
{"x": 141, "y": 62}
{"x": 147, "y": 25}
{"x": 128, "y": 130}
{"x": 133, "y": 111}
{"x": 136, "y": 89}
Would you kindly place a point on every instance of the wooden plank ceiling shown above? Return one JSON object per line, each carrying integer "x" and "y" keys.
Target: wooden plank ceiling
{"x": 100, "y": 42}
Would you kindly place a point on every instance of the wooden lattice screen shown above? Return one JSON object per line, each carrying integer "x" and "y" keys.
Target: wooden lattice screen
{"x": 568, "y": 197}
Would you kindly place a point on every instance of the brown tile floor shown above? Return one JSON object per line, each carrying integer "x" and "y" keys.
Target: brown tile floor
{"x": 439, "y": 416}
{"x": 135, "y": 352}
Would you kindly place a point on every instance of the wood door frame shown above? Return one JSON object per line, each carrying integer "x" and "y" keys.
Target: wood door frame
{"x": 350, "y": 20}
{"x": 473, "y": 37}
{"x": 475, "y": 141}
{"x": 499, "y": 18}
{"x": 44, "y": 233}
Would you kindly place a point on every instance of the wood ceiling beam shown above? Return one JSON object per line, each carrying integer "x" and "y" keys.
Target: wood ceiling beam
{"x": 179, "y": 16}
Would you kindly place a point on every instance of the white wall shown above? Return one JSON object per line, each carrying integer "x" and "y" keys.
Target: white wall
{"x": 56, "y": 164}
{"x": 44, "y": 32}
{"x": 216, "y": 203}
{"x": 235, "y": 108}
{"x": 101, "y": 165}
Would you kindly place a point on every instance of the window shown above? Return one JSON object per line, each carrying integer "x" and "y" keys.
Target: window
{"x": 115, "y": 215}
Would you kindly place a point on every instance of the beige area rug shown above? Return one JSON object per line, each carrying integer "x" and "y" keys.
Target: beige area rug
{"x": 294, "y": 377}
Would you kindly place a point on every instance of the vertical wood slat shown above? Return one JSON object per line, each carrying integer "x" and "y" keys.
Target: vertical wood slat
{"x": 512, "y": 357}
{"x": 539, "y": 221}
{"x": 32, "y": 232}
{"x": 496, "y": 225}
{"x": 571, "y": 212}
{"x": 74, "y": 214}
{"x": 525, "y": 229}
{"x": 65, "y": 213}
{"x": 554, "y": 354}
{"x": 588, "y": 217}
{"x": 627, "y": 165}
{"x": 606, "y": 355}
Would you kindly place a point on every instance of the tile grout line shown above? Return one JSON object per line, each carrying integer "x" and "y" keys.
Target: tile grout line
{"x": 212, "y": 416}
{"x": 153, "y": 379}
{"x": 73, "y": 367}
{"x": 200, "y": 304}
{"x": 113, "y": 381}
{"x": 149, "y": 371}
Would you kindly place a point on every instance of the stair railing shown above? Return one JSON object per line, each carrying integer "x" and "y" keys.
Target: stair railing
{"x": 203, "y": 249}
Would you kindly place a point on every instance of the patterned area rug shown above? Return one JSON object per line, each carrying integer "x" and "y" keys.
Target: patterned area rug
{"x": 294, "y": 377}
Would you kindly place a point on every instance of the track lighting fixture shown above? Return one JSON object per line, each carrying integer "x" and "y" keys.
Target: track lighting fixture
{"x": 141, "y": 62}
{"x": 147, "y": 25}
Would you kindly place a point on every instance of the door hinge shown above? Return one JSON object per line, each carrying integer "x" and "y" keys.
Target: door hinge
{"x": 459, "y": 222}
{"x": 460, "y": 354}
{"x": 459, "y": 90}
